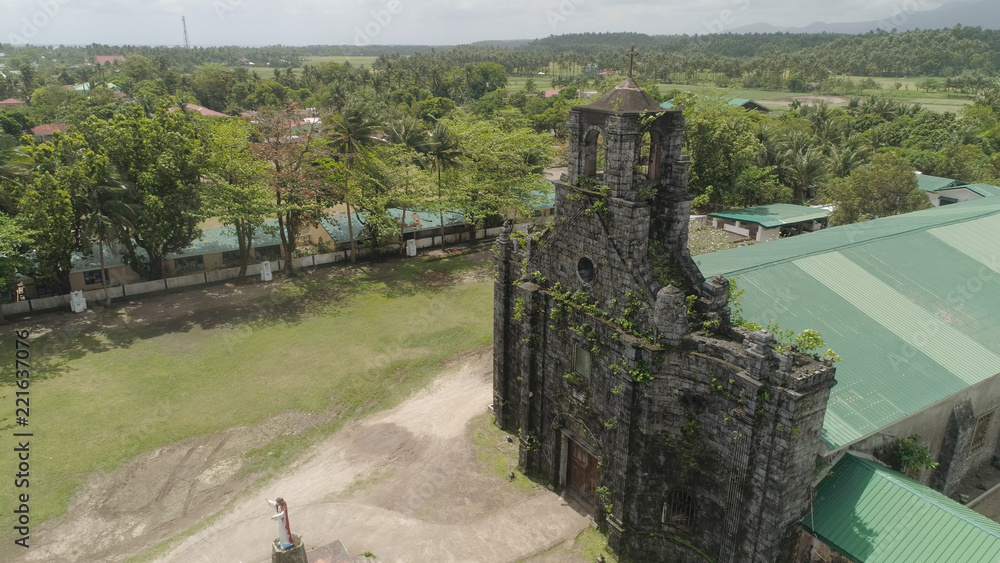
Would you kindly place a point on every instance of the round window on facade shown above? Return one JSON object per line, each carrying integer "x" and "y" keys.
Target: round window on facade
{"x": 585, "y": 269}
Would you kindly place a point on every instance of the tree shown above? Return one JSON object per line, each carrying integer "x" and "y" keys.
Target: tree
{"x": 107, "y": 217}
{"x": 887, "y": 187}
{"x": 50, "y": 202}
{"x": 722, "y": 141}
{"x": 164, "y": 158}
{"x": 15, "y": 167}
{"x": 237, "y": 194}
{"x": 350, "y": 132}
{"x": 445, "y": 154}
{"x": 505, "y": 163}
{"x": 14, "y": 241}
{"x": 300, "y": 193}
{"x": 806, "y": 170}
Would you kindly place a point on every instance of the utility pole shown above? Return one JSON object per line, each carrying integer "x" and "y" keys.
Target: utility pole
{"x": 187, "y": 44}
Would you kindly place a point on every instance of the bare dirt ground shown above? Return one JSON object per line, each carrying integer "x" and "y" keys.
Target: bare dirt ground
{"x": 404, "y": 484}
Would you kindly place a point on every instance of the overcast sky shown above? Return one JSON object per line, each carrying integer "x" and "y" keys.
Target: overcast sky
{"x": 434, "y": 22}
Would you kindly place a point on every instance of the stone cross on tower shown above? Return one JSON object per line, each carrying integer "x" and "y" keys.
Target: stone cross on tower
{"x": 631, "y": 53}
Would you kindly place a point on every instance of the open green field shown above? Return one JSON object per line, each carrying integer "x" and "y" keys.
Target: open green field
{"x": 354, "y": 60}
{"x": 345, "y": 340}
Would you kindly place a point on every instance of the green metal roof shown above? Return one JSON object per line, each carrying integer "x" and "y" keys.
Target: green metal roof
{"x": 336, "y": 225}
{"x": 223, "y": 239}
{"x": 220, "y": 239}
{"x": 870, "y": 513}
{"x": 775, "y": 215}
{"x": 909, "y": 302}
{"x": 985, "y": 190}
{"x": 929, "y": 183}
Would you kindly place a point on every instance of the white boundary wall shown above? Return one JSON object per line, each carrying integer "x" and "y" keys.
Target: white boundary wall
{"x": 201, "y": 278}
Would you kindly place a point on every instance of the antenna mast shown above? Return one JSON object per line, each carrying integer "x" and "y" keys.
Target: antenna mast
{"x": 187, "y": 44}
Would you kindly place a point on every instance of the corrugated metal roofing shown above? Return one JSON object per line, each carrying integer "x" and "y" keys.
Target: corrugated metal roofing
{"x": 220, "y": 239}
{"x": 908, "y": 302}
{"x": 870, "y": 513}
{"x": 774, "y": 215}
{"x": 985, "y": 190}
{"x": 223, "y": 239}
{"x": 336, "y": 225}
{"x": 930, "y": 183}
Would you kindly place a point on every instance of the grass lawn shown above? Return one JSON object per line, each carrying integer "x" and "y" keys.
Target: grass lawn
{"x": 357, "y": 341}
{"x": 355, "y": 60}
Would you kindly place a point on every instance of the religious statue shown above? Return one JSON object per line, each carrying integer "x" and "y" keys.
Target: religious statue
{"x": 281, "y": 515}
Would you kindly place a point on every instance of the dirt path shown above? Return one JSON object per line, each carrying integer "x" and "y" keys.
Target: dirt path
{"x": 405, "y": 485}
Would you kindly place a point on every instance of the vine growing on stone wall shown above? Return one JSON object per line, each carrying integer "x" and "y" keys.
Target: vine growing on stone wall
{"x": 641, "y": 373}
{"x": 519, "y": 309}
{"x": 808, "y": 342}
{"x": 908, "y": 455}
{"x": 604, "y": 498}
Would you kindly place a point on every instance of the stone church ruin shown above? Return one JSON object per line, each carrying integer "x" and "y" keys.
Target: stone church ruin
{"x": 617, "y": 365}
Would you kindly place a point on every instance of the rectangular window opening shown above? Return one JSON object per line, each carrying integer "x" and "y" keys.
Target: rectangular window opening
{"x": 582, "y": 365}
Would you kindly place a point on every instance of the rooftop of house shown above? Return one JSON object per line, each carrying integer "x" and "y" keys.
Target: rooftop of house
{"x": 220, "y": 239}
{"x": 336, "y": 225}
{"x": 200, "y": 109}
{"x": 48, "y": 128}
{"x": 744, "y": 102}
{"x": 868, "y": 512}
{"x": 11, "y": 102}
{"x": 102, "y": 59}
{"x": 985, "y": 190}
{"x": 775, "y": 215}
{"x": 929, "y": 183}
{"x": 908, "y": 338}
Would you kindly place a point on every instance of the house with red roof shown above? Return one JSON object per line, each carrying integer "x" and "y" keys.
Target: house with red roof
{"x": 10, "y": 102}
{"x": 44, "y": 133}
{"x": 200, "y": 109}
{"x": 108, "y": 59}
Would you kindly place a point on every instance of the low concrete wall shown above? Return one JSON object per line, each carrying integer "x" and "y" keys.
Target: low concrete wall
{"x": 253, "y": 270}
{"x": 19, "y": 308}
{"x": 49, "y": 302}
{"x": 97, "y": 295}
{"x": 186, "y": 281}
{"x": 328, "y": 258}
{"x": 222, "y": 275}
{"x": 144, "y": 287}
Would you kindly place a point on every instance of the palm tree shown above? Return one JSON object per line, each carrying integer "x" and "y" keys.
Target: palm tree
{"x": 408, "y": 131}
{"x": 444, "y": 153}
{"x": 351, "y": 131}
{"x": 107, "y": 218}
{"x": 806, "y": 171}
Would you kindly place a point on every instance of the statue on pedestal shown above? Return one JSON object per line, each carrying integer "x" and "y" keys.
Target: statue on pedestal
{"x": 281, "y": 515}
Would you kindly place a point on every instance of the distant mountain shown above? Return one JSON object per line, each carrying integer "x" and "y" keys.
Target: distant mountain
{"x": 974, "y": 13}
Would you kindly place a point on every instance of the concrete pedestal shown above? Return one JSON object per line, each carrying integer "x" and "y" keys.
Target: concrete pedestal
{"x": 295, "y": 554}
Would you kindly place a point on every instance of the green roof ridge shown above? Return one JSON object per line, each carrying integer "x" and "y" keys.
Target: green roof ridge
{"x": 962, "y": 219}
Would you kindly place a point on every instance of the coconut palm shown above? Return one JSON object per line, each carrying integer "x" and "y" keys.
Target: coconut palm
{"x": 806, "y": 171}
{"x": 350, "y": 132}
{"x": 445, "y": 154}
{"x": 107, "y": 218}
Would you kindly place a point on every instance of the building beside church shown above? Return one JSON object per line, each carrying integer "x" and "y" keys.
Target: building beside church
{"x": 616, "y": 364}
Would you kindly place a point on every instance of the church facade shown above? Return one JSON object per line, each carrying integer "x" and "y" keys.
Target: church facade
{"x": 616, "y": 364}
